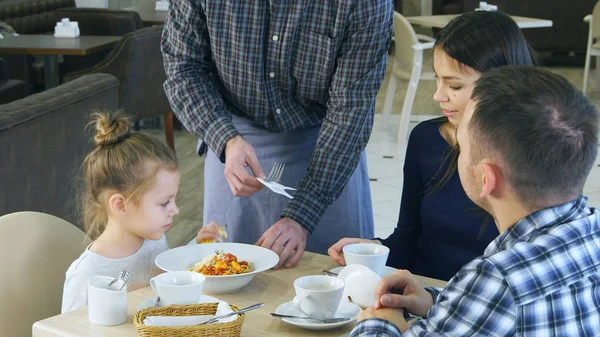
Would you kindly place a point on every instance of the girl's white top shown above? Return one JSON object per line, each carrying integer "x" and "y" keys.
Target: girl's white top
{"x": 140, "y": 266}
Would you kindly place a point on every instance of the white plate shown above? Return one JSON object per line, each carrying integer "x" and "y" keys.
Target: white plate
{"x": 149, "y": 302}
{"x": 346, "y": 309}
{"x": 387, "y": 270}
{"x": 185, "y": 257}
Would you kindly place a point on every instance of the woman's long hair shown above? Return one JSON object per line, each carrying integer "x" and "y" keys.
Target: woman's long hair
{"x": 480, "y": 40}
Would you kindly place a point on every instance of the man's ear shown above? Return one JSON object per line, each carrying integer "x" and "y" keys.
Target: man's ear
{"x": 116, "y": 204}
{"x": 491, "y": 178}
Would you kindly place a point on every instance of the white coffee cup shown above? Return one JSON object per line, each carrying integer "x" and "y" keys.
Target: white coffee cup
{"x": 370, "y": 255}
{"x": 178, "y": 287}
{"x": 318, "y": 295}
{"x": 106, "y": 306}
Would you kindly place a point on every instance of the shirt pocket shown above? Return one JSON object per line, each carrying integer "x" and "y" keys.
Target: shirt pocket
{"x": 313, "y": 65}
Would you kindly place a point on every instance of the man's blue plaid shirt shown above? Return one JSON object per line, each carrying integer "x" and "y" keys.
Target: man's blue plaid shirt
{"x": 539, "y": 278}
{"x": 290, "y": 67}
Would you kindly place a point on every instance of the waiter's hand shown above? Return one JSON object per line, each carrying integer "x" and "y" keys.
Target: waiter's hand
{"x": 239, "y": 154}
{"x": 287, "y": 238}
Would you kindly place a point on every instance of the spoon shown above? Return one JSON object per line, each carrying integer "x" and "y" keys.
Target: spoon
{"x": 252, "y": 307}
{"x": 124, "y": 275}
{"x": 330, "y": 273}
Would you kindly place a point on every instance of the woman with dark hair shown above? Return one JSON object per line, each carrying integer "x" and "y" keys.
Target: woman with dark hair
{"x": 439, "y": 229}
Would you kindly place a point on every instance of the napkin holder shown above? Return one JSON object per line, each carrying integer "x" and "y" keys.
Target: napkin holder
{"x": 161, "y": 5}
{"x": 232, "y": 329}
{"x": 484, "y": 6}
{"x": 66, "y": 28}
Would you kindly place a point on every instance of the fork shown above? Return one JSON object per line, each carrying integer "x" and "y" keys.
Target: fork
{"x": 272, "y": 180}
{"x": 243, "y": 310}
{"x": 324, "y": 321}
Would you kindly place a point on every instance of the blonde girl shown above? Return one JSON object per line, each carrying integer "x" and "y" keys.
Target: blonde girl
{"x": 128, "y": 203}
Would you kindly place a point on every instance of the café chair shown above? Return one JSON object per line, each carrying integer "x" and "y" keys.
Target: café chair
{"x": 137, "y": 62}
{"x": 36, "y": 249}
{"x": 407, "y": 63}
{"x": 593, "y": 46}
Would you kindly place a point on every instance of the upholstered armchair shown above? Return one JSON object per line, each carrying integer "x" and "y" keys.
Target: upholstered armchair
{"x": 43, "y": 140}
{"x": 137, "y": 62}
{"x": 97, "y": 21}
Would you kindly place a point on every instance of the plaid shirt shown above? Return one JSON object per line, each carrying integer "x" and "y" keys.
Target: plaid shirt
{"x": 539, "y": 278}
{"x": 290, "y": 67}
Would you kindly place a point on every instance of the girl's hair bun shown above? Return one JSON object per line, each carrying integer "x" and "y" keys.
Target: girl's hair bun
{"x": 111, "y": 128}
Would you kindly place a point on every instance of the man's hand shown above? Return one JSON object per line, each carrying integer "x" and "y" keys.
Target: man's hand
{"x": 239, "y": 154}
{"x": 415, "y": 299}
{"x": 394, "y": 315}
{"x": 336, "y": 251}
{"x": 287, "y": 238}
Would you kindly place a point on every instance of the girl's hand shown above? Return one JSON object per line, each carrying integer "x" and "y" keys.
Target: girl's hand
{"x": 207, "y": 233}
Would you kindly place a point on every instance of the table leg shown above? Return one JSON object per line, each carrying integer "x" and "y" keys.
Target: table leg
{"x": 51, "y": 76}
{"x": 426, "y": 7}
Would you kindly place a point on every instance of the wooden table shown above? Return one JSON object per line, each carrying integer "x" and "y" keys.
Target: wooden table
{"x": 51, "y": 47}
{"x": 272, "y": 287}
{"x": 148, "y": 14}
{"x": 440, "y": 21}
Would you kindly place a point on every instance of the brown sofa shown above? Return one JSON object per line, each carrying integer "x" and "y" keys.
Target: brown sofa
{"x": 44, "y": 141}
{"x": 568, "y": 33}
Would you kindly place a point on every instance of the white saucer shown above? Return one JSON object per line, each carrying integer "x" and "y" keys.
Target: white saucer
{"x": 387, "y": 270}
{"x": 346, "y": 309}
{"x": 149, "y": 302}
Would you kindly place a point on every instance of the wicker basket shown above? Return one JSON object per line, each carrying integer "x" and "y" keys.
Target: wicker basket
{"x": 231, "y": 329}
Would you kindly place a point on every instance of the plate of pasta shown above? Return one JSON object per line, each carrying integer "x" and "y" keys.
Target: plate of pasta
{"x": 227, "y": 266}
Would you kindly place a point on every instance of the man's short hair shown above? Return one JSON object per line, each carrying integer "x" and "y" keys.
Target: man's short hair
{"x": 541, "y": 129}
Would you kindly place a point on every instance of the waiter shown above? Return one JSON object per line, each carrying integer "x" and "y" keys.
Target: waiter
{"x": 293, "y": 82}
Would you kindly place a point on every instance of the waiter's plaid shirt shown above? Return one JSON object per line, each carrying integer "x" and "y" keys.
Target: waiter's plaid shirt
{"x": 288, "y": 67}
{"x": 539, "y": 278}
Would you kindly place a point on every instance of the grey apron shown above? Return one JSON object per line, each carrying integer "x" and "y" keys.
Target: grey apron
{"x": 247, "y": 218}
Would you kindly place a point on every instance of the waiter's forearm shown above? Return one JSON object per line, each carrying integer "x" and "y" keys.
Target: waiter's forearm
{"x": 321, "y": 185}
{"x": 189, "y": 88}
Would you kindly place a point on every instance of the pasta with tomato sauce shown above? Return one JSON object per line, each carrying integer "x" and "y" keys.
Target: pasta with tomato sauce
{"x": 221, "y": 264}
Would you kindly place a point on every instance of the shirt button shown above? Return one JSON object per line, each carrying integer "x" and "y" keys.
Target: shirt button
{"x": 271, "y": 74}
{"x": 278, "y": 111}
{"x": 275, "y": 38}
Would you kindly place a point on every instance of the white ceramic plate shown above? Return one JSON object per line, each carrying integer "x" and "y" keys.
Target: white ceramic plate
{"x": 387, "y": 270}
{"x": 346, "y": 309}
{"x": 185, "y": 257}
{"x": 149, "y": 302}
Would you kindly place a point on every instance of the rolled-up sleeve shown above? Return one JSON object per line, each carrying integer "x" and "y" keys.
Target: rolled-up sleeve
{"x": 189, "y": 86}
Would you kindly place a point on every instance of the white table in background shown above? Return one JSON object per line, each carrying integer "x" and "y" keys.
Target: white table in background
{"x": 440, "y": 21}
